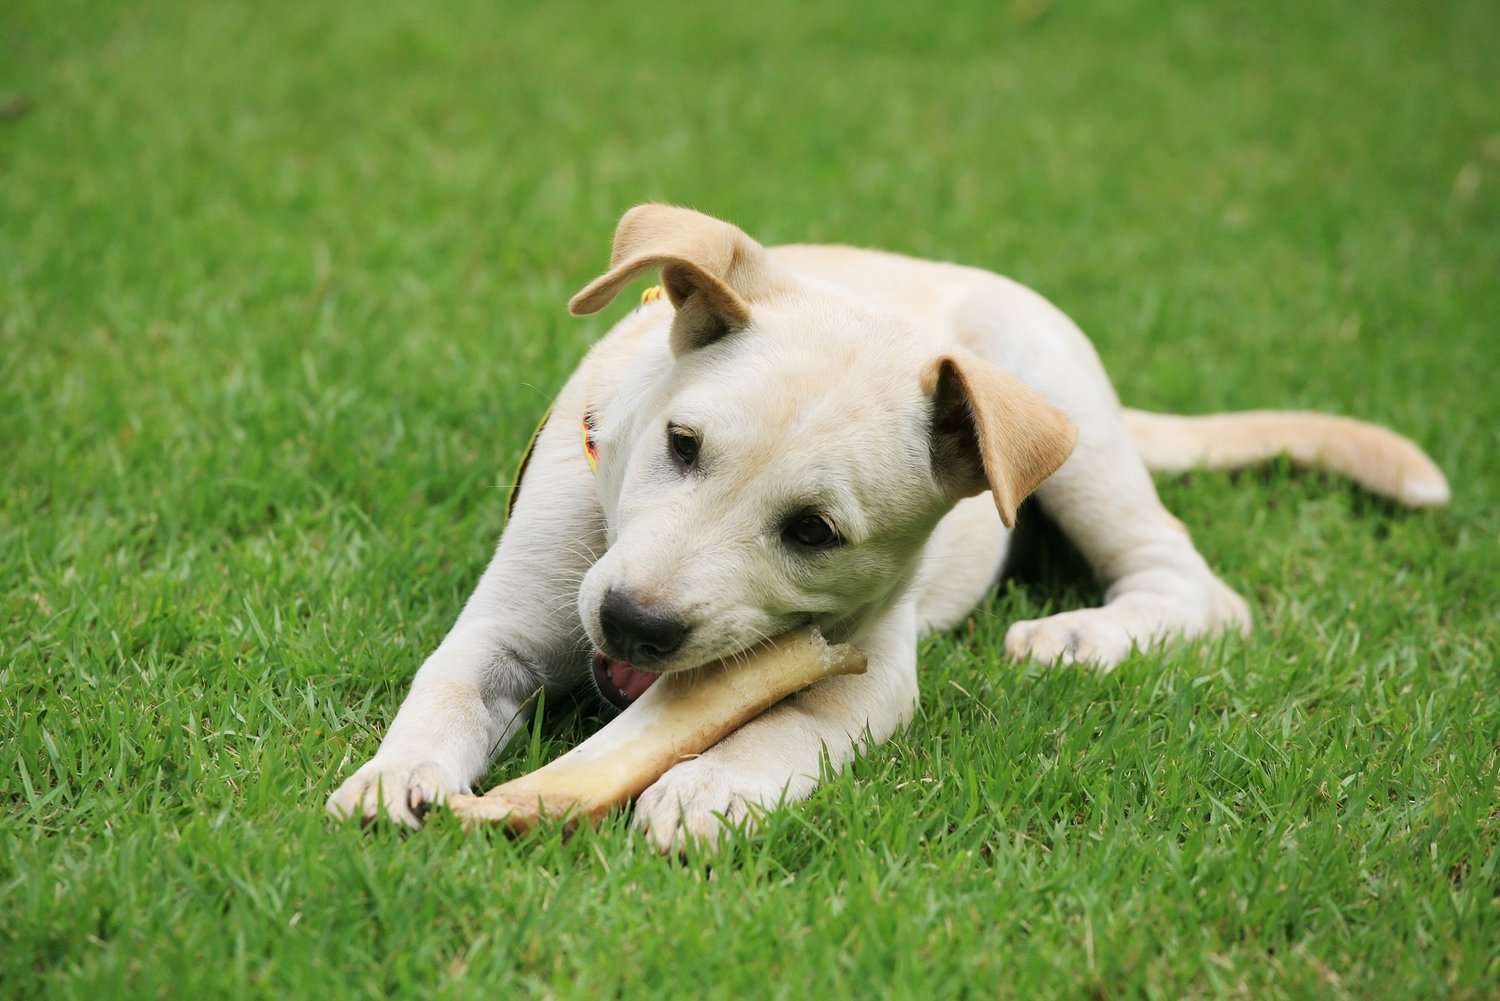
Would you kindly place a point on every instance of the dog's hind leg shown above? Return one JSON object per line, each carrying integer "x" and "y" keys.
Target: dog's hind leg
{"x": 518, "y": 633}
{"x": 1157, "y": 585}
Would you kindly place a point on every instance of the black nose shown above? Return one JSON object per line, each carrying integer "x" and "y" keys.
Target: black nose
{"x": 638, "y": 633}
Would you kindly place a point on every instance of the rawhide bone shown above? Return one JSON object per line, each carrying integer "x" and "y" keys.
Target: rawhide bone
{"x": 678, "y": 717}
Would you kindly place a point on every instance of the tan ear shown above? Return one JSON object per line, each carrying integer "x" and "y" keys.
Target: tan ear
{"x": 990, "y": 431}
{"x": 711, "y": 271}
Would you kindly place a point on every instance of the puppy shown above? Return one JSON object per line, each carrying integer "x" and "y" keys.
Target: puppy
{"x": 829, "y": 435}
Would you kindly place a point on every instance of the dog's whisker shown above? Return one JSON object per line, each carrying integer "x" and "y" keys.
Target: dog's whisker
{"x": 562, "y": 605}
{"x": 581, "y": 549}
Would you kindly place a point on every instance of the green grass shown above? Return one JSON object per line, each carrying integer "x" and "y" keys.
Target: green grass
{"x": 282, "y": 292}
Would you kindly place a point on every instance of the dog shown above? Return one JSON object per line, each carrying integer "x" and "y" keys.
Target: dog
{"x": 828, "y": 435}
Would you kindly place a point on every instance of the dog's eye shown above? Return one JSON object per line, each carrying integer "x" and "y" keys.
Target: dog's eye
{"x": 813, "y": 531}
{"x": 684, "y": 445}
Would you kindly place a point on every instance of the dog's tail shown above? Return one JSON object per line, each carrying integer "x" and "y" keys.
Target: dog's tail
{"x": 1378, "y": 459}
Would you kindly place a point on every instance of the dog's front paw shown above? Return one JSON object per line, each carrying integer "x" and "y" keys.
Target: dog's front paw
{"x": 405, "y": 789}
{"x": 1089, "y": 636}
{"x": 698, "y": 799}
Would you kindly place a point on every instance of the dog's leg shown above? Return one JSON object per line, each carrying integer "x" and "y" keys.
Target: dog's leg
{"x": 960, "y": 562}
{"x": 1157, "y": 584}
{"x": 1158, "y": 587}
{"x": 776, "y": 756}
{"x": 518, "y": 633}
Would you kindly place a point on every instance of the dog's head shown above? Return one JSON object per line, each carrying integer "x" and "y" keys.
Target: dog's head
{"x": 784, "y": 457}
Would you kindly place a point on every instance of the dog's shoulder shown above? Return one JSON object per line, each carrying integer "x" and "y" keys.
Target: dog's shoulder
{"x": 913, "y": 287}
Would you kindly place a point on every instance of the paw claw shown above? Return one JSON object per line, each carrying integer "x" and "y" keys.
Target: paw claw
{"x": 402, "y": 792}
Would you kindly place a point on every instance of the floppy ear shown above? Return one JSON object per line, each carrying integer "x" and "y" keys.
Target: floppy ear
{"x": 992, "y": 432}
{"x": 710, "y": 270}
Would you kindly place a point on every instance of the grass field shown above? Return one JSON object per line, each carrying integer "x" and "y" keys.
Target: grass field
{"x": 282, "y": 293}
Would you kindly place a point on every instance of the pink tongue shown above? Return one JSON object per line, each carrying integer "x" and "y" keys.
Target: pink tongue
{"x": 631, "y": 681}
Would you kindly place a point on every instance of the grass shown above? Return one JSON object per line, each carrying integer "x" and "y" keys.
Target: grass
{"x": 281, "y": 295}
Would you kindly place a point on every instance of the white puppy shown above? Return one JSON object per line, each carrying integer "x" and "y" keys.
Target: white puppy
{"x": 817, "y": 434}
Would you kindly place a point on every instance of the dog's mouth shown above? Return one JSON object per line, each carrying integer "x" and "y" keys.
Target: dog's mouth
{"x": 619, "y": 682}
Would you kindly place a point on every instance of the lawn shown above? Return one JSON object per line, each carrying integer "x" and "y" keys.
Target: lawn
{"x": 282, "y": 294}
